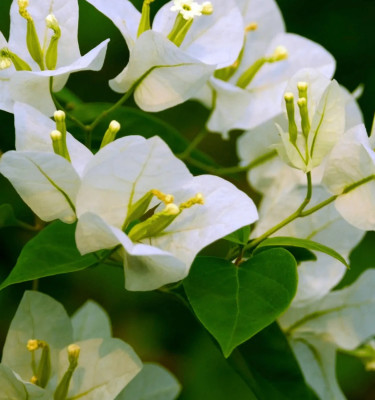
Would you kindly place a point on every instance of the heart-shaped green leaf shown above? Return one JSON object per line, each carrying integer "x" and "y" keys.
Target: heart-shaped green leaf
{"x": 53, "y": 251}
{"x": 235, "y": 302}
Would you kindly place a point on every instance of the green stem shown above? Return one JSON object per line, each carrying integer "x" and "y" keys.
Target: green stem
{"x": 301, "y": 213}
{"x": 287, "y": 220}
{"x": 198, "y": 139}
{"x": 231, "y": 170}
{"x": 59, "y": 106}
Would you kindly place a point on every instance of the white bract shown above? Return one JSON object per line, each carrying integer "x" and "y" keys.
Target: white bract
{"x": 316, "y": 278}
{"x": 170, "y": 63}
{"x": 320, "y": 123}
{"x": 41, "y": 329}
{"x": 340, "y": 320}
{"x": 47, "y": 182}
{"x": 353, "y": 160}
{"x": 270, "y": 175}
{"x": 247, "y": 93}
{"x": 133, "y": 175}
{"x": 32, "y": 56}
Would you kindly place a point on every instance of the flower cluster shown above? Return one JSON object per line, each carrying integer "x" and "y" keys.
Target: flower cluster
{"x": 135, "y": 203}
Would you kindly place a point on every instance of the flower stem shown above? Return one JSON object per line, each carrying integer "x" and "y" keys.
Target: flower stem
{"x": 287, "y": 220}
{"x": 301, "y": 212}
{"x": 195, "y": 142}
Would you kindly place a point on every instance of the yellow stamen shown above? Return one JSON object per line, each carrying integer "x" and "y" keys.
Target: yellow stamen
{"x": 33, "y": 345}
{"x": 197, "y": 199}
{"x": 34, "y": 380}
{"x": 165, "y": 198}
{"x": 253, "y": 26}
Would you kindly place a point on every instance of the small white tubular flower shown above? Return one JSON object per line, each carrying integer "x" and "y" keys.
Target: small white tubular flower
{"x": 32, "y": 86}
{"x": 351, "y": 161}
{"x": 47, "y": 182}
{"x": 207, "y": 208}
{"x": 187, "y": 8}
{"x": 161, "y": 73}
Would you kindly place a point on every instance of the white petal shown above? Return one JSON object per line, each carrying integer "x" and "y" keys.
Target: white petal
{"x": 33, "y": 87}
{"x": 123, "y": 14}
{"x": 111, "y": 185}
{"x": 33, "y": 134}
{"x": 317, "y": 360}
{"x": 267, "y": 16}
{"x": 351, "y": 160}
{"x": 153, "y": 383}
{"x": 12, "y": 387}
{"x": 91, "y": 321}
{"x": 214, "y": 39}
{"x": 146, "y": 267}
{"x": 341, "y": 317}
{"x": 66, "y": 13}
{"x": 38, "y": 317}
{"x": 168, "y": 75}
{"x": 225, "y": 210}
{"x": 232, "y": 105}
{"x": 328, "y": 123}
{"x": 105, "y": 367}
{"x": 47, "y": 183}
{"x": 6, "y": 102}
{"x": 316, "y": 278}
{"x": 302, "y": 53}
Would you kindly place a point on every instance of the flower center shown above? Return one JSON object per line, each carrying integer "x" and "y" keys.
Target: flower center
{"x": 142, "y": 222}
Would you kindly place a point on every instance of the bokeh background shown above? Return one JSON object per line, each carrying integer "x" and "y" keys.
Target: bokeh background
{"x": 157, "y": 326}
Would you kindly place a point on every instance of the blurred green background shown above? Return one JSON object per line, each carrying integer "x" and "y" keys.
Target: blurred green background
{"x": 157, "y": 326}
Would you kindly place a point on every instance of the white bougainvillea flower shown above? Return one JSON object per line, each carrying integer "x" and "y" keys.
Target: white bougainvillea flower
{"x": 316, "y": 278}
{"x": 320, "y": 122}
{"x": 166, "y": 68}
{"x": 340, "y": 320}
{"x": 353, "y": 160}
{"x": 270, "y": 175}
{"x": 247, "y": 93}
{"x": 47, "y": 182}
{"x": 50, "y": 49}
{"x": 41, "y": 330}
{"x": 245, "y": 107}
{"x": 157, "y": 246}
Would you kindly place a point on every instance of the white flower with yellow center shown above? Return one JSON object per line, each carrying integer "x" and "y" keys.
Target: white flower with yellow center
{"x": 43, "y": 43}
{"x": 247, "y": 93}
{"x": 142, "y": 200}
{"x": 172, "y": 58}
{"x": 188, "y": 8}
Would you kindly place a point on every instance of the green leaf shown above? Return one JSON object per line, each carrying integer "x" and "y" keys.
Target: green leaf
{"x": 235, "y": 302}
{"x": 303, "y": 243}
{"x": 7, "y": 217}
{"x": 152, "y": 383}
{"x": 240, "y": 236}
{"x": 52, "y": 252}
{"x": 274, "y": 367}
{"x": 135, "y": 122}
